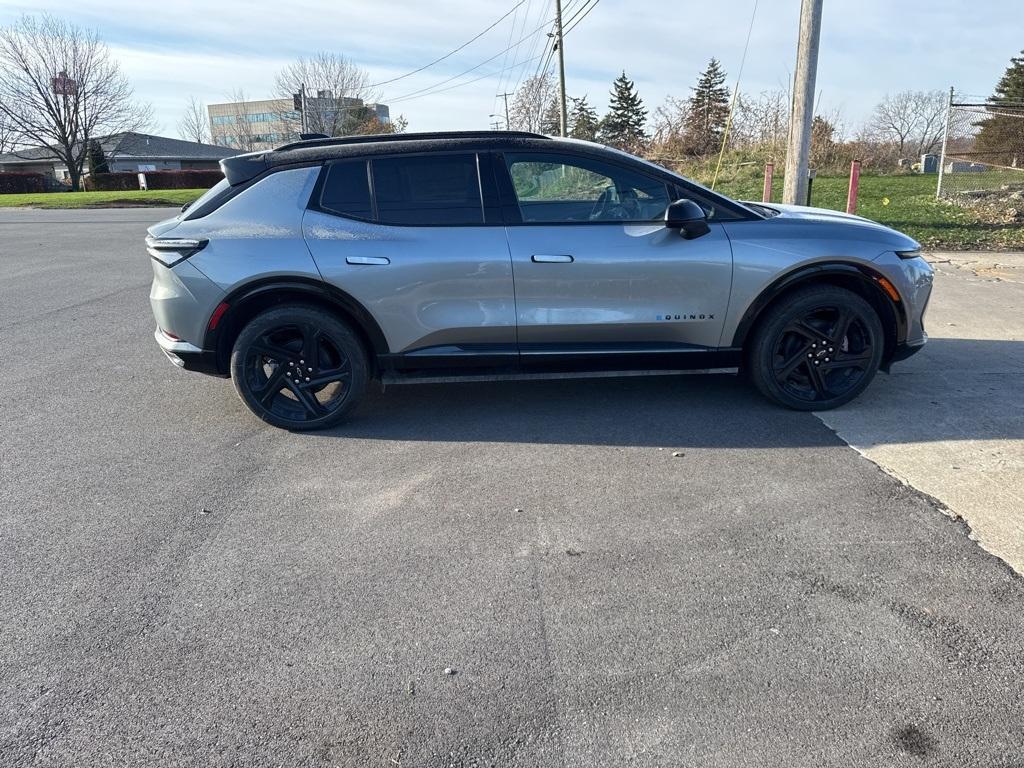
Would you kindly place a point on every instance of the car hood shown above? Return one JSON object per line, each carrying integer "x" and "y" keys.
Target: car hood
{"x": 843, "y": 224}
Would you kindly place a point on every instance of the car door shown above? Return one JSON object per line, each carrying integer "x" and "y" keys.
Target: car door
{"x": 596, "y": 270}
{"x": 409, "y": 238}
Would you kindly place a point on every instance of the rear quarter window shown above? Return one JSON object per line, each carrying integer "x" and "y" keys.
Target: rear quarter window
{"x": 346, "y": 190}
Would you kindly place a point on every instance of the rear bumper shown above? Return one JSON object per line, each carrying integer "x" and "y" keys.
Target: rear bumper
{"x": 188, "y": 356}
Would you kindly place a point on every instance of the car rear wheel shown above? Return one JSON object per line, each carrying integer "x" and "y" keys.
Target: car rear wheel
{"x": 299, "y": 368}
{"x": 817, "y": 349}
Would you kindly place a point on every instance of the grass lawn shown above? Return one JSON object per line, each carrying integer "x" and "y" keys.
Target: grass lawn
{"x": 135, "y": 197}
{"x": 906, "y": 203}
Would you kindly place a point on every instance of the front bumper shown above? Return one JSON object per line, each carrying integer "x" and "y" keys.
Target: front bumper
{"x": 905, "y": 350}
{"x": 188, "y": 356}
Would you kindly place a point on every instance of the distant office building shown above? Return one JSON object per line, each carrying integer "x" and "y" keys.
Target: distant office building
{"x": 268, "y": 123}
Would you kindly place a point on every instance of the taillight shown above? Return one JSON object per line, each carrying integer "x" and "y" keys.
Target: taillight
{"x": 173, "y": 251}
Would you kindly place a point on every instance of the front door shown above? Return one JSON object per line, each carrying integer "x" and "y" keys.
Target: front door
{"x": 597, "y": 272}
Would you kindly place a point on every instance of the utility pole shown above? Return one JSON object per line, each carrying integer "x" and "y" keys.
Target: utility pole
{"x": 559, "y": 41}
{"x": 794, "y": 191}
{"x": 505, "y": 97}
{"x": 302, "y": 103}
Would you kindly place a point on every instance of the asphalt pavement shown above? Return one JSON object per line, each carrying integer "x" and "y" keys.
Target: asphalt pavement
{"x": 186, "y": 586}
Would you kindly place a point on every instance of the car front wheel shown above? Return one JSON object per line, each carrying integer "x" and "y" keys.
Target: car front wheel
{"x": 299, "y": 368}
{"x": 817, "y": 349}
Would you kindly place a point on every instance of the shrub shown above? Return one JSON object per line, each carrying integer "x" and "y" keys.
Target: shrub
{"x": 21, "y": 183}
{"x": 126, "y": 180}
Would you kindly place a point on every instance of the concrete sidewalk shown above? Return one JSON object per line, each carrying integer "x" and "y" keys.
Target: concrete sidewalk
{"x": 950, "y": 421}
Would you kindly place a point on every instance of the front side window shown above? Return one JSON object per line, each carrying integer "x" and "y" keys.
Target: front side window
{"x": 428, "y": 190}
{"x": 565, "y": 189}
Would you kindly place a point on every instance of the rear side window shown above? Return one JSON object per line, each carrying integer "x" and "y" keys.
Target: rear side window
{"x": 347, "y": 190}
{"x": 428, "y": 190}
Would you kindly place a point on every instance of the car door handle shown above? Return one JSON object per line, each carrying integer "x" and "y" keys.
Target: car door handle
{"x": 367, "y": 260}
{"x": 552, "y": 258}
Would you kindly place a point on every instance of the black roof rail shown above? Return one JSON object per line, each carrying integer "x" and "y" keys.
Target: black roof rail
{"x": 428, "y": 136}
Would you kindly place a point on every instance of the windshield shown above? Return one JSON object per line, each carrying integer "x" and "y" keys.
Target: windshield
{"x": 712, "y": 202}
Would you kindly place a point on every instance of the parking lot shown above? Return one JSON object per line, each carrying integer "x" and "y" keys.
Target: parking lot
{"x": 185, "y": 586}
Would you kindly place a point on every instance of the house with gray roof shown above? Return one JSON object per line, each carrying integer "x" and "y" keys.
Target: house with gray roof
{"x": 125, "y": 152}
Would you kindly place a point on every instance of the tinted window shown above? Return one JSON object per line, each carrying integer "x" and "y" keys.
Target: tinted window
{"x": 196, "y": 209}
{"x": 347, "y": 190}
{"x": 558, "y": 189}
{"x": 430, "y": 190}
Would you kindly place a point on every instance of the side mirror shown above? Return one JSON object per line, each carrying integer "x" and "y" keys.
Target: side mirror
{"x": 688, "y": 218}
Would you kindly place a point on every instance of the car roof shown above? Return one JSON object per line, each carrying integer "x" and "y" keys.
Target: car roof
{"x": 242, "y": 168}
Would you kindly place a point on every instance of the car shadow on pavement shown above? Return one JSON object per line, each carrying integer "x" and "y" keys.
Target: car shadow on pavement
{"x": 955, "y": 389}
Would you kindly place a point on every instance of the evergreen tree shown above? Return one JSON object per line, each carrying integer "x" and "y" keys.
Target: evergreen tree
{"x": 583, "y": 120}
{"x": 551, "y": 119}
{"x": 709, "y": 110}
{"x": 97, "y": 159}
{"x": 623, "y": 126}
{"x": 1001, "y": 136}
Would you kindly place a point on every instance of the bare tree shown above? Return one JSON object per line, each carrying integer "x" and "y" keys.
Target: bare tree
{"x": 195, "y": 123}
{"x": 668, "y": 140}
{"x": 762, "y": 121}
{"x": 59, "y": 88}
{"x": 8, "y": 136}
{"x": 531, "y": 102}
{"x": 336, "y": 93}
{"x": 244, "y": 135}
{"x": 911, "y": 120}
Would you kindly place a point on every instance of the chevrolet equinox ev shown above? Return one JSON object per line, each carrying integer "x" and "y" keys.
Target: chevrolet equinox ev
{"x": 315, "y": 268}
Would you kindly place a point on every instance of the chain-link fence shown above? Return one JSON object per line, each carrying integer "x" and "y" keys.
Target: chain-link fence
{"x": 982, "y": 154}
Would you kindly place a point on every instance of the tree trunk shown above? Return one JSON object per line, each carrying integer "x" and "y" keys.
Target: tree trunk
{"x": 76, "y": 177}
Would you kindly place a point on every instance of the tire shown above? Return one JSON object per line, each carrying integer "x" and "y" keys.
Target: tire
{"x": 299, "y": 368}
{"x": 816, "y": 349}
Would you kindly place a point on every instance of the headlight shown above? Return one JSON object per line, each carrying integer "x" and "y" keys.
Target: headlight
{"x": 915, "y": 254}
{"x": 173, "y": 250}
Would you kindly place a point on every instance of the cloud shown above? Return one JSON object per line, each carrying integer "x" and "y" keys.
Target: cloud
{"x": 869, "y": 47}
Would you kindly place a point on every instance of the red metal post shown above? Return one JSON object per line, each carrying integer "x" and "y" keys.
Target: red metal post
{"x": 851, "y": 195}
{"x": 766, "y": 195}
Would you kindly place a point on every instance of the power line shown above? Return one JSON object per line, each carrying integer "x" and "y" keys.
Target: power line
{"x": 570, "y": 25}
{"x": 452, "y": 52}
{"x": 471, "y": 69}
{"x": 410, "y": 97}
{"x": 735, "y": 94}
{"x": 507, "y": 75}
{"x": 547, "y": 62}
{"x": 504, "y": 61}
{"x": 533, "y": 47}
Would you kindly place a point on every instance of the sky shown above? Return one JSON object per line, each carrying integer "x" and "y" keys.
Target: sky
{"x": 175, "y": 49}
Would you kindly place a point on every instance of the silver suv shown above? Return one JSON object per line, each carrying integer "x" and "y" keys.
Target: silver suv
{"x": 314, "y": 268}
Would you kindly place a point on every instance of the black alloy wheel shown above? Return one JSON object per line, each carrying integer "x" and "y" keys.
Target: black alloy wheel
{"x": 299, "y": 368}
{"x": 818, "y": 349}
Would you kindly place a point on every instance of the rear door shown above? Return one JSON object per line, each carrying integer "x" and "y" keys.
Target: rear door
{"x": 596, "y": 271}
{"x": 419, "y": 243}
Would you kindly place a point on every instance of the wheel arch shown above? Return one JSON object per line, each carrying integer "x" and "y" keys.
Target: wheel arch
{"x": 249, "y": 300}
{"x": 856, "y": 277}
